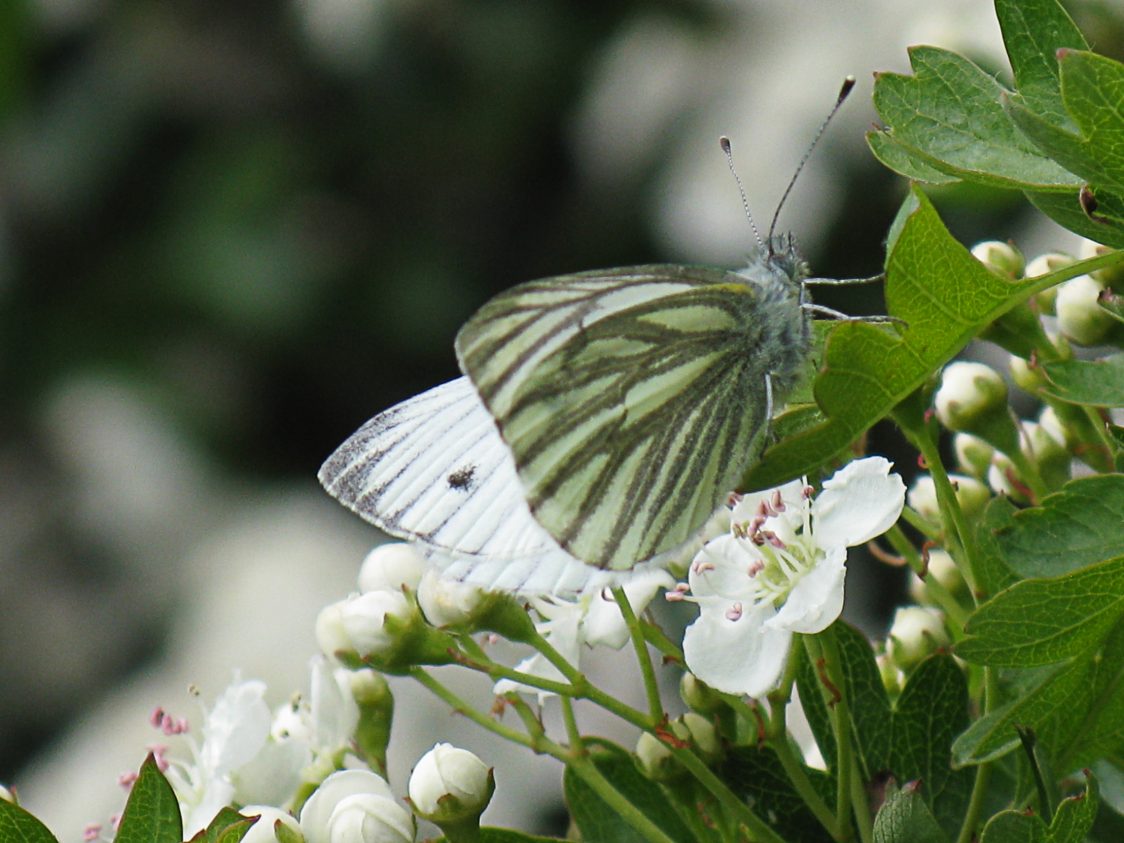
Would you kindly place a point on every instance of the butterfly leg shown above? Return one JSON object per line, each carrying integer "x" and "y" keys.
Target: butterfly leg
{"x": 843, "y": 282}
{"x": 843, "y": 317}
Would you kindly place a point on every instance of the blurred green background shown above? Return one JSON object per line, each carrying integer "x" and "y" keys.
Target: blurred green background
{"x": 232, "y": 231}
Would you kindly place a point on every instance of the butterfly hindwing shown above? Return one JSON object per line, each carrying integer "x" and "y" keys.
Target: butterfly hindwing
{"x": 631, "y": 400}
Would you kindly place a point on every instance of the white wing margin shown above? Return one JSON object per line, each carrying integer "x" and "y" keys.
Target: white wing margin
{"x": 435, "y": 471}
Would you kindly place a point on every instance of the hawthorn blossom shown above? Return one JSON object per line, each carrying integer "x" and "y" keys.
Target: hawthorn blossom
{"x": 780, "y": 570}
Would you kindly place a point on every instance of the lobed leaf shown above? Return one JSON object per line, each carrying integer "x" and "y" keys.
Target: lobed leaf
{"x": 1098, "y": 383}
{"x": 757, "y": 776}
{"x": 1042, "y": 621}
{"x": 905, "y": 818}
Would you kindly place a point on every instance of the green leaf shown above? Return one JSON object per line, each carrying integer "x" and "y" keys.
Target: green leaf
{"x": 950, "y": 115}
{"x": 757, "y": 776}
{"x": 1084, "y": 518}
{"x": 1112, "y": 304}
{"x": 901, "y": 160}
{"x": 508, "y": 835}
{"x": 152, "y": 814}
{"x": 905, "y": 818}
{"x": 1097, "y": 383}
{"x": 19, "y": 826}
{"x": 931, "y": 711}
{"x": 1033, "y": 32}
{"x": 993, "y": 572}
{"x": 1015, "y": 827}
{"x": 1098, "y": 731}
{"x": 944, "y": 295}
{"x": 598, "y": 821}
{"x": 1041, "y": 621}
{"x": 1065, "y": 209}
{"x": 1073, "y": 820}
{"x": 227, "y": 826}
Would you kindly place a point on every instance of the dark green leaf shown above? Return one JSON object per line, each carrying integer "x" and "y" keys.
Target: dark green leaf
{"x": 757, "y": 776}
{"x": 227, "y": 826}
{"x": 1093, "y": 383}
{"x": 1041, "y": 621}
{"x": 1033, "y": 31}
{"x": 1015, "y": 827}
{"x": 905, "y": 818}
{"x": 949, "y": 115}
{"x": 1065, "y": 209}
{"x": 152, "y": 813}
{"x": 1098, "y": 731}
{"x": 598, "y": 821}
{"x": 993, "y": 572}
{"x": 930, "y": 713}
{"x": 19, "y": 826}
{"x": 943, "y": 294}
{"x": 508, "y": 835}
{"x": 1084, "y": 518}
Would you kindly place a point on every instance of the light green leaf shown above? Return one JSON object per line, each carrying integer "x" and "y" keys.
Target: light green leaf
{"x": 509, "y": 835}
{"x": 1015, "y": 827}
{"x": 1073, "y": 820}
{"x": 19, "y": 826}
{"x": 993, "y": 572}
{"x": 598, "y": 821}
{"x": 905, "y": 818}
{"x": 227, "y": 826}
{"x": 1097, "y": 383}
{"x": 949, "y": 115}
{"x": 1033, "y": 31}
{"x": 1041, "y": 621}
{"x": 901, "y": 160}
{"x": 757, "y": 775}
{"x": 1084, "y": 518}
{"x": 152, "y": 813}
{"x": 1098, "y": 732}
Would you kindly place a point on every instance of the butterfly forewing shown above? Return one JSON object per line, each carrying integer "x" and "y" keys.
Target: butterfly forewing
{"x": 630, "y": 400}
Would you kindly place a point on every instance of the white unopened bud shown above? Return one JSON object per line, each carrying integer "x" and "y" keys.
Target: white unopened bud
{"x": 971, "y": 495}
{"x": 392, "y": 567}
{"x": 448, "y": 602}
{"x": 893, "y": 680}
{"x": 264, "y": 830}
{"x": 973, "y": 454}
{"x": 1111, "y": 275}
{"x": 700, "y": 733}
{"x": 360, "y": 625}
{"x": 355, "y": 806}
{"x": 1046, "y": 452}
{"x": 969, "y": 392}
{"x": 1000, "y": 257}
{"x": 450, "y": 785}
{"x": 1080, "y": 316}
{"x": 1050, "y": 422}
{"x": 1044, "y": 265}
{"x": 917, "y": 632}
{"x": 941, "y": 568}
{"x": 6, "y": 794}
{"x": 1004, "y": 479}
{"x": 655, "y": 759}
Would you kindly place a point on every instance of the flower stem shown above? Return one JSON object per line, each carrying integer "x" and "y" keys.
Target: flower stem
{"x": 983, "y": 771}
{"x": 643, "y": 657}
{"x": 461, "y": 707}
{"x": 585, "y": 769}
{"x": 938, "y": 592}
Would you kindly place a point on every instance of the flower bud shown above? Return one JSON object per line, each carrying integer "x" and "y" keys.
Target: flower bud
{"x": 972, "y": 398}
{"x": 941, "y": 568}
{"x": 355, "y": 806}
{"x": 393, "y": 566}
{"x": 917, "y": 632}
{"x": 971, "y": 495}
{"x": 1047, "y": 453}
{"x": 364, "y": 624}
{"x": 264, "y": 830}
{"x": 372, "y": 694}
{"x": 700, "y": 733}
{"x": 1000, "y": 257}
{"x": 447, "y": 602}
{"x": 655, "y": 760}
{"x": 1025, "y": 377}
{"x": 1004, "y": 479}
{"x": 893, "y": 680}
{"x": 973, "y": 455}
{"x": 1080, "y": 316}
{"x": 922, "y": 498}
{"x": 451, "y": 786}
{"x": 1044, "y": 265}
{"x": 1110, "y": 276}
{"x": 699, "y": 696}
{"x": 7, "y": 795}
{"x": 1053, "y": 425}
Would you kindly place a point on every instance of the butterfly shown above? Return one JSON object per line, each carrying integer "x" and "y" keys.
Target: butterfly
{"x": 602, "y": 419}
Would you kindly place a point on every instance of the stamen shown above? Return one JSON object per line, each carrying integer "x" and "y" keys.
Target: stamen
{"x": 91, "y": 832}
{"x": 808, "y": 491}
{"x": 778, "y": 502}
{"x": 738, "y": 528}
{"x": 734, "y": 612}
{"x": 701, "y": 566}
{"x": 755, "y": 567}
{"x": 126, "y": 780}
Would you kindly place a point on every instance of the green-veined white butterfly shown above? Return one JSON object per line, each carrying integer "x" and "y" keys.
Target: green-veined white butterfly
{"x": 603, "y": 418}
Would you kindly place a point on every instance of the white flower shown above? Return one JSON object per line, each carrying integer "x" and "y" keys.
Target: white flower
{"x": 447, "y": 771}
{"x": 592, "y": 619}
{"x": 263, "y": 830}
{"x": 780, "y": 570}
{"x": 358, "y": 623}
{"x": 355, "y": 805}
{"x": 448, "y": 602}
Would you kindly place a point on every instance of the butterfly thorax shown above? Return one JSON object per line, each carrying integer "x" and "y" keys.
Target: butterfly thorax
{"x": 779, "y": 273}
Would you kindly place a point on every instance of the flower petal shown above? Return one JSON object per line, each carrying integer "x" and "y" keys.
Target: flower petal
{"x": 817, "y": 598}
{"x": 860, "y": 501}
{"x": 722, "y": 567}
{"x": 741, "y": 656}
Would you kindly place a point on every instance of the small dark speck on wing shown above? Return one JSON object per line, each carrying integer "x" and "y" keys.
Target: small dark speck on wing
{"x": 461, "y": 479}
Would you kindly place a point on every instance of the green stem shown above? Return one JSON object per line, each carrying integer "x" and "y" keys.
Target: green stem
{"x": 860, "y": 804}
{"x": 577, "y": 743}
{"x": 944, "y": 598}
{"x": 841, "y": 723}
{"x": 584, "y": 769}
{"x": 479, "y": 718}
{"x": 983, "y": 771}
{"x": 921, "y": 524}
{"x": 655, "y": 636}
{"x": 643, "y": 657}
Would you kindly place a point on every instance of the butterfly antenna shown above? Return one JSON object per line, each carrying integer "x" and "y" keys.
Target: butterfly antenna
{"x": 848, "y": 84}
{"x": 724, "y": 142}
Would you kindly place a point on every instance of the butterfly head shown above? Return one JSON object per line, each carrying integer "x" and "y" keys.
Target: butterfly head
{"x": 778, "y": 265}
